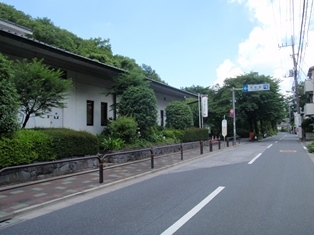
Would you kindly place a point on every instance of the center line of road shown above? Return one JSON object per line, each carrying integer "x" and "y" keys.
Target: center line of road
{"x": 269, "y": 146}
{"x": 172, "y": 229}
{"x": 254, "y": 159}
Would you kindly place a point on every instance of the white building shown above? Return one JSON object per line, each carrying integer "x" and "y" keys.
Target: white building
{"x": 88, "y": 108}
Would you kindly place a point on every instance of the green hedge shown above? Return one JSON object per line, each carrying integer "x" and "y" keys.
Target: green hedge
{"x": 25, "y": 146}
{"x": 70, "y": 143}
{"x": 195, "y": 134}
{"x": 28, "y": 146}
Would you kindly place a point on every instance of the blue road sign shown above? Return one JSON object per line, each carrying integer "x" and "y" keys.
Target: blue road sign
{"x": 255, "y": 87}
{"x": 245, "y": 88}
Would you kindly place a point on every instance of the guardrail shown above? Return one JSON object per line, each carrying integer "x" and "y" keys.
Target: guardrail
{"x": 102, "y": 157}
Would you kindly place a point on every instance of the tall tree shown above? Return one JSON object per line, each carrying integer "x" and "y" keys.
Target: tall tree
{"x": 255, "y": 111}
{"x": 40, "y": 87}
{"x": 9, "y": 99}
{"x": 150, "y": 73}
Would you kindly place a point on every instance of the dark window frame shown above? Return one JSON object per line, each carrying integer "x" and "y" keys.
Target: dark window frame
{"x": 103, "y": 113}
{"x": 90, "y": 113}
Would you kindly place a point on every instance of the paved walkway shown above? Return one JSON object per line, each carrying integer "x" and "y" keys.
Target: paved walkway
{"x": 21, "y": 198}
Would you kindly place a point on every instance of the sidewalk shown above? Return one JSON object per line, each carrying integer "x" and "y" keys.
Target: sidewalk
{"x": 22, "y": 198}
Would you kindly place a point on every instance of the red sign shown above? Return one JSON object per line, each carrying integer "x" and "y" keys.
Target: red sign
{"x": 231, "y": 113}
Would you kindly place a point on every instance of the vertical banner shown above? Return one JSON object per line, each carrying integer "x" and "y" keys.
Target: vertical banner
{"x": 205, "y": 106}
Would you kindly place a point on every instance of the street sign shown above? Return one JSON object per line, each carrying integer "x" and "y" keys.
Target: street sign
{"x": 224, "y": 128}
{"x": 231, "y": 113}
{"x": 256, "y": 87}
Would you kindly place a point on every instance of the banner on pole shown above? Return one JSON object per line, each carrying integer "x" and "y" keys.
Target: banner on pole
{"x": 205, "y": 106}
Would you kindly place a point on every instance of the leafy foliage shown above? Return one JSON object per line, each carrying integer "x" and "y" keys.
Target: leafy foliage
{"x": 139, "y": 102}
{"x": 179, "y": 115}
{"x": 150, "y": 73}
{"x": 26, "y": 146}
{"x": 9, "y": 99}
{"x": 195, "y": 134}
{"x": 45, "y": 31}
{"x": 69, "y": 143}
{"x": 40, "y": 87}
{"x": 110, "y": 143}
{"x": 124, "y": 128}
{"x": 174, "y": 134}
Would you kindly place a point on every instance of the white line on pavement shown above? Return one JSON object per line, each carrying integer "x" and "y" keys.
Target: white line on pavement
{"x": 173, "y": 228}
{"x": 270, "y": 146}
{"x": 254, "y": 159}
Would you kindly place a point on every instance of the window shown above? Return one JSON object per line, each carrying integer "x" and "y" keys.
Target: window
{"x": 90, "y": 113}
{"x": 104, "y": 113}
{"x": 161, "y": 118}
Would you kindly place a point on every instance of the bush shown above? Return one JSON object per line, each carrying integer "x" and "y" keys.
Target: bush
{"x": 70, "y": 143}
{"x": 179, "y": 115}
{"x": 195, "y": 134}
{"x": 310, "y": 147}
{"x": 140, "y": 103}
{"x": 109, "y": 144}
{"x": 176, "y": 135}
{"x": 124, "y": 128}
{"x": 26, "y": 146}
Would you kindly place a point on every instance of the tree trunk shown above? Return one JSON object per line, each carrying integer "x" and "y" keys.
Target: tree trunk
{"x": 26, "y": 120}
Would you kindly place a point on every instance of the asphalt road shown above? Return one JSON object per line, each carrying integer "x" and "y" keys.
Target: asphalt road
{"x": 265, "y": 187}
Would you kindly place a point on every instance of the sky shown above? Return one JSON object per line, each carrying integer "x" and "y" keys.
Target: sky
{"x": 192, "y": 43}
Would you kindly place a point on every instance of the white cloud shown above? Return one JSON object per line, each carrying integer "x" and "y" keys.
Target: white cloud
{"x": 260, "y": 52}
{"x": 227, "y": 70}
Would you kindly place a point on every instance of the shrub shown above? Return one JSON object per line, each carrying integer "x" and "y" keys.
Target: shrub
{"x": 25, "y": 146}
{"x": 109, "y": 143}
{"x": 195, "y": 134}
{"x": 70, "y": 143}
{"x": 310, "y": 147}
{"x": 176, "y": 135}
{"x": 124, "y": 128}
{"x": 140, "y": 102}
{"x": 179, "y": 115}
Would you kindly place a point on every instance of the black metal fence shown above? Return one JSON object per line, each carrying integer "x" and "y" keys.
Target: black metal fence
{"x": 151, "y": 152}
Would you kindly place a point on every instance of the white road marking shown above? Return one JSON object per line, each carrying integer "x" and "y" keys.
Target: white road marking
{"x": 173, "y": 228}
{"x": 270, "y": 146}
{"x": 254, "y": 159}
{"x": 276, "y": 142}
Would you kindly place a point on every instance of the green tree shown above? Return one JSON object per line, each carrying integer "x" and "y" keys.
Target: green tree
{"x": 140, "y": 103}
{"x": 133, "y": 77}
{"x": 179, "y": 115}
{"x": 9, "y": 99}
{"x": 40, "y": 87}
{"x": 257, "y": 111}
{"x": 151, "y": 74}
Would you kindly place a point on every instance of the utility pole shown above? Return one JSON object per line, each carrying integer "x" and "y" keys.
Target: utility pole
{"x": 234, "y": 114}
{"x": 295, "y": 76}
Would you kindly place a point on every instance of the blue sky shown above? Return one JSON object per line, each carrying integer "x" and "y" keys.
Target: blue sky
{"x": 187, "y": 43}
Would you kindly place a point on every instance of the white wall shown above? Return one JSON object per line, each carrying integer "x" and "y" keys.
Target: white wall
{"x": 74, "y": 115}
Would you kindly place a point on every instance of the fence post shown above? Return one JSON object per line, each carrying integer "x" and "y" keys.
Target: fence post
{"x": 201, "y": 146}
{"x": 181, "y": 148}
{"x": 152, "y": 157}
{"x": 101, "y": 169}
{"x": 218, "y": 144}
{"x": 210, "y": 146}
{"x": 227, "y": 142}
